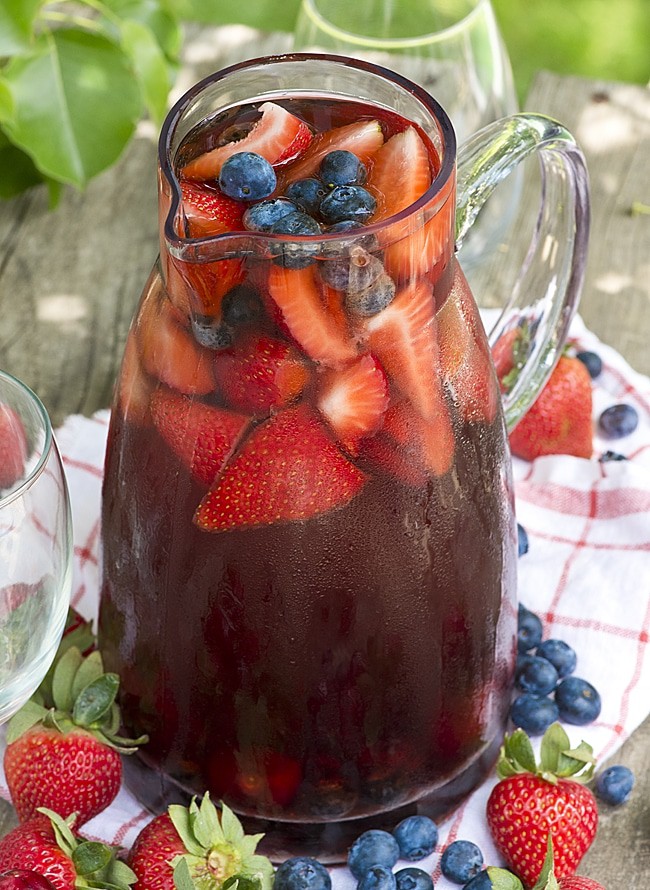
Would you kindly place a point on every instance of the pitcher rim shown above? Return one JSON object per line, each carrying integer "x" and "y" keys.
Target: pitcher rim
{"x": 436, "y": 111}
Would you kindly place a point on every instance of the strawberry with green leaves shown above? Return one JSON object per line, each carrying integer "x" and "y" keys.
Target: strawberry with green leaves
{"x": 47, "y": 845}
{"x": 63, "y": 748}
{"x": 198, "y": 848}
{"x": 534, "y": 800}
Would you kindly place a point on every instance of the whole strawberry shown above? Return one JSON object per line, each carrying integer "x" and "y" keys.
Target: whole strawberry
{"x": 532, "y": 801}
{"x": 559, "y": 421}
{"x": 63, "y": 751}
{"x": 45, "y": 844}
{"x": 198, "y": 847}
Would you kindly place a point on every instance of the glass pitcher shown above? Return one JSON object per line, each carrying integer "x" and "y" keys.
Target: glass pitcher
{"x": 309, "y": 544}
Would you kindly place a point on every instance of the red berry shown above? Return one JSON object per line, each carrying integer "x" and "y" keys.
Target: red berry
{"x": 23, "y": 879}
{"x": 13, "y": 447}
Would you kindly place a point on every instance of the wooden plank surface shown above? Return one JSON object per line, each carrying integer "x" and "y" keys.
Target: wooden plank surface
{"x": 70, "y": 279}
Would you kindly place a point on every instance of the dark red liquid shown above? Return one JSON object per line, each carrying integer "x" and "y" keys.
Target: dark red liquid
{"x": 319, "y": 670}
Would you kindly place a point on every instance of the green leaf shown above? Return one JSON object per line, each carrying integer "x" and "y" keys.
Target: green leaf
{"x": 231, "y": 827}
{"x": 267, "y": 15}
{"x": 160, "y": 19}
{"x": 182, "y": 877}
{"x": 29, "y": 715}
{"x": 547, "y": 879}
{"x": 62, "y": 830}
{"x": 90, "y": 669}
{"x": 150, "y": 67}
{"x": 181, "y": 820}
{"x": 63, "y": 678}
{"x": 16, "y": 25}
{"x": 519, "y": 753}
{"x": 205, "y": 824}
{"x": 76, "y": 104}
{"x": 95, "y": 700}
{"x": 6, "y": 101}
{"x": 90, "y": 857}
{"x": 503, "y": 880}
{"x": 554, "y": 742}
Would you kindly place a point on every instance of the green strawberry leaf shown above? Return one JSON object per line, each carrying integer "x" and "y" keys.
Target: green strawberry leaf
{"x": 96, "y": 700}
{"x": 182, "y": 822}
{"x": 205, "y": 823}
{"x": 150, "y": 66}
{"x": 182, "y": 877}
{"x": 63, "y": 679}
{"x": 91, "y": 856}
{"x": 231, "y": 827}
{"x": 554, "y": 742}
{"x": 90, "y": 669}
{"x": 29, "y": 715}
{"x": 17, "y": 25}
{"x": 503, "y": 880}
{"x": 517, "y": 755}
{"x": 547, "y": 879}
{"x": 62, "y": 830}
{"x": 76, "y": 103}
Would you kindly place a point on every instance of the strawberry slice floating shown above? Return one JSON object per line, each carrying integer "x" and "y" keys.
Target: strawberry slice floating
{"x": 202, "y": 436}
{"x": 353, "y": 400}
{"x": 303, "y": 312}
{"x": 277, "y": 135}
{"x": 260, "y": 373}
{"x": 362, "y": 138}
{"x": 401, "y": 173}
{"x": 210, "y": 212}
{"x": 287, "y": 470}
{"x": 13, "y": 446}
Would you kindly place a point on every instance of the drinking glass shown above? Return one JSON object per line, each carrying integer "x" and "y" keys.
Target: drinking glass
{"x": 314, "y": 621}
{"x": 35, "y": 546}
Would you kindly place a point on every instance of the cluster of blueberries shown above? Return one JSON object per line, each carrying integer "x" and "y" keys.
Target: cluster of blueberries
{"x": 333, "y": 201}
{"x": 616, "y": 421}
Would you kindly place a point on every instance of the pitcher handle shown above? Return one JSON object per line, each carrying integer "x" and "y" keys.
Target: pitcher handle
{"x": 547, "y": 291}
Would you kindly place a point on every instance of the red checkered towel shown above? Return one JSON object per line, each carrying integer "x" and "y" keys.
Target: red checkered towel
{"x": 587, "y": 574}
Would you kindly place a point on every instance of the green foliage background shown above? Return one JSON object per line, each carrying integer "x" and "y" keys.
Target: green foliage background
{"x": 76, "y": 75}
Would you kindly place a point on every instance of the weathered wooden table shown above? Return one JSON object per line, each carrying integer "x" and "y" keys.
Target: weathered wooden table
{"x": 70, "y": 279}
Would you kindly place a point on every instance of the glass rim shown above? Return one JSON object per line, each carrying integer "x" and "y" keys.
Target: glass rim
{"x": 38, "y": 468}
{"x": 391, "y": 43}
{"x": 178, "y": 244}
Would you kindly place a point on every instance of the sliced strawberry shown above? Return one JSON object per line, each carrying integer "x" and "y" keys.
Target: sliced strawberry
{"x": 210, "y": 212}
{"x": 202, "y": 286}
{"x": 260, "y": 373}
{"x": 362, "y": 138}
{"x": 403, "y": 337}
{"x": 401, "y": 173}
{"x": 288, "y": 469}
{"x": 353, "y": 400}
{"x": 299, "y": 301}
{"x": 465, "y": 356}
{"x": 410, "y": 448}
{"x": 277, "y": 136}
{"x": 13, "y": 446}
{"x": 169, "y": 352}
{"x": 201, "y": 435}
{"x": 134, "y": 386}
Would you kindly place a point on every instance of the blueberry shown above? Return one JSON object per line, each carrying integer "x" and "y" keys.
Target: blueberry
{"x": 608, "y": 456}
{"x": 373, "y": 847}
{"x": 379, "y": 877}
{"x": 373, "y": 299}
{"x": 577, "y": 700}
{"x": 307, "y": 194}
{"x": 592, "y": 362}
{"x": 412, "y": 878}
{"x": 302, "y": 873}
{"x": 560, "y": 654}
{"x": 247, "y": 176}
{"x": 614, "y": 785}
{"x": 342, "y": 167}
{"x": 618, "y": 421}
{"x": 461, "y": 861}
{"x": 261, "y": 217}
{"x": 522, "y": 540}
{"x": 210, "y": 333}
{"x": 417, "y": 836}
{"x": 529, "y": 629}
{"x": 482, "y": 881}
{"x": 533, "y": 713}
{"x": 537, "y": 676}
{"x": 294, "y": 255}
{"x": 241, "y": 305}
{"x": 348, "y": 202}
